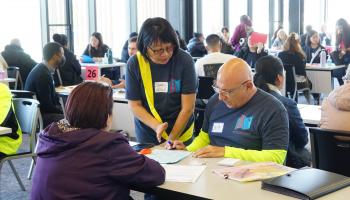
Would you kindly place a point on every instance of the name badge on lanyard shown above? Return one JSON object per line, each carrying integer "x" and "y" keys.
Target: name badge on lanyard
{"x": 217, "y": 128}
{"x": 161, "y": 87}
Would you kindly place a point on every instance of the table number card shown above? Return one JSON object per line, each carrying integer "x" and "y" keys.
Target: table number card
{"x": 92, "y": 73}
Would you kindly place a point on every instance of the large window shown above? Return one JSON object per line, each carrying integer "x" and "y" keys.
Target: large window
{"x": 212, "y": 16}
{"x": 149, "y": 8}
{"x": 21, "y": 19}
{"x": 113, "y": 22}
{"x": 237, "y": 8}
{"x": 80, "y": 26}
{"x": 57, "y": 18}
{"x": 315, "y": 18}
{"x": 337, "y": 9}
{"x": 260, "y": 18}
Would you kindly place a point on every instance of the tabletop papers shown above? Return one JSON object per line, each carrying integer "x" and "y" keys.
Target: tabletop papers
{"x": 168, "y": 156}
{"x": 183, "y": 173}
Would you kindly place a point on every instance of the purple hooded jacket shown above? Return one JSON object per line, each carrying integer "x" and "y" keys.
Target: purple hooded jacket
{"x": 89, "y": 164}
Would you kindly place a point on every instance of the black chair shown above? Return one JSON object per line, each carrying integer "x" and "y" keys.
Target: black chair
{"x": 211, "y": 70}
{"x": 13, "y": 72}
{"x": 205, "y": 91}
{"x": 330, "y": 150}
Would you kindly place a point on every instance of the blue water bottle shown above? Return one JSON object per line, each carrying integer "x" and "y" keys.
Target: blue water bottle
{"x": 110, "y": 56}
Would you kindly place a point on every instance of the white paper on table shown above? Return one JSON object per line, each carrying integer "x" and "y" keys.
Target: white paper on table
{"x": 183, "y": 173}
{"x": 168, "y": 156}
{"x": 228, "y": 162}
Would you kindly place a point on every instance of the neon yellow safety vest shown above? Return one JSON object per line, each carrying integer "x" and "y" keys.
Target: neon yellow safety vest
{"x": 7, "y": 144}
{"x": 146, "y": 76}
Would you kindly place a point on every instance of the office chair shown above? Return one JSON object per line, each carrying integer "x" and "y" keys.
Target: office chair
{"x": 330, "y": 150}
{"x": 27, "y": 113}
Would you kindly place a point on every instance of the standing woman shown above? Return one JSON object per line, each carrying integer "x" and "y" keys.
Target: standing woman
{"x": 241, "y": 31}
{"x": 71, "y": 70}
{"x": 96, "y": 49}
{"x": 161, "y": 85}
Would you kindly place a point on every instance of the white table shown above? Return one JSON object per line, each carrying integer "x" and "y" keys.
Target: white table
{"x": 211, "y": 186}
{"x": 311, "y": 114}
{"x": 322, "y": 77}
{"x": 5, "y": 130}
{"x": 102, "y": 66}
{"x": 8, "y": 80}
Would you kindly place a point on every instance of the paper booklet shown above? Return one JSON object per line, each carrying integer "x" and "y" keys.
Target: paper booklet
{"x": 183, "y": 173}
{"x": 253, "y": 172}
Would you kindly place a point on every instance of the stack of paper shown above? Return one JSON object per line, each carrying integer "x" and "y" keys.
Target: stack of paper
{"x": 253, "y": 172}
{"x": 183, "y": 173}
{"x": 168, "y": 156}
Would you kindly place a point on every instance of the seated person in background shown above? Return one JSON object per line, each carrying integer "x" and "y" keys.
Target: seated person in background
{"x": 308, "y": 28}
{"x": 132, "y": 50}
{"x": 125, "y": 55}
{"x": 280, "y": 40}
{"x": 293, "y": 56}
{"x": 96, "y": 49}
{"x": 214, "y": 55}
{"x": 9, "y": 143}
{"x": 15, "y": 56}
{"x": 251, "y": 52}
{"x": 335, "y": 110}
{"x": 182, "y": 42}
{"x": 325, "y": 36}
{"x": 40, "y": 82}
{"x": 225, "y": 40}
{"x": 107, "y": 166}
{"x": 196, "y": 46}
{"x": 269, "y": 77}
{"x": 313, "y": 47}
{"x": 71, "y": 70}
{"x": 241, "y": 121}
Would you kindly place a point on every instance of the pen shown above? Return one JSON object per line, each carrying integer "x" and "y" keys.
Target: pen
{"x": 171, "y": 144}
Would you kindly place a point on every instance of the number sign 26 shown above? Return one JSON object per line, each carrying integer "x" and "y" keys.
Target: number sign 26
{"x": 92, "y": 73}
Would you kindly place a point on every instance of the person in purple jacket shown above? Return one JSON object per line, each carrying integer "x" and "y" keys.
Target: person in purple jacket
{"x": 79, "y": 159}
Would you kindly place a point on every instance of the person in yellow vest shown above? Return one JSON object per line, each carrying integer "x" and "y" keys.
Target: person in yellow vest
{"x": 9, "y": 143}
{"x": 161, "y": 86}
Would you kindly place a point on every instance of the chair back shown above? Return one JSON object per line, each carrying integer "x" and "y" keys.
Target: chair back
{"x": 13, "y": 72}
{"x": 23, "y": 94}
{"x": 211, "y": 70}
{"x": 330, "y": 150}
{"x": 27, "y": 113}
{"x": 205, "y": 89}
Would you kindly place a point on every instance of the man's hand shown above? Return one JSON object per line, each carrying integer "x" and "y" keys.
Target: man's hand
{"x": 120, "y": 85}
{"x": 260, "y": 47}
{"x": 105, "y": 80}
{"x": 160, "y": 129}
{"x": 210, "y": 152}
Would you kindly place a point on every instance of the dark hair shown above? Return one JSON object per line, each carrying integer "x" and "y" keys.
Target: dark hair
{"x": 60, "y": 38}
{"x": 89, "y": 105}
{"x": 245, "y": 19}
{"x": 153, "y": 30}
{"x": 197, "y": 35}
{"x": 267, "y": 69}
{"x": 132, "y": 34}
{"x": 224, "y": 29}
{"x": 132, "y": 39}
{"x": 308, "y": 36}
{"x": 308, "y": 28}
{"x": 212, "y": 40}
{"x": 50, "y": 49}
{"x": 345, "y": 35}
{"x": 98, "y": 36}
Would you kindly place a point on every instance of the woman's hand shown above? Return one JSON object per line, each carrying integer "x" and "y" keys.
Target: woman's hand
{"x": 159, "y": 129}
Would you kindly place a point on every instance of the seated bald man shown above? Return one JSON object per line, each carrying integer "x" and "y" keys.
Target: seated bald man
{"x": 241, "y": 121}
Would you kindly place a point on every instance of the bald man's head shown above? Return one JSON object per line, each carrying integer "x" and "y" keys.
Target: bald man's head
{"x": 234, "y": 81}
{"x": 16, "y": 42}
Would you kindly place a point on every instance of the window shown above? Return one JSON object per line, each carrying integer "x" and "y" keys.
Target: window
{"x": 316, "y": 18}
{"x": 19, "y": 23}
{"x": 237, "y": 8}
{"x": 80, "y": 26}
{"x": 149, "y": 8}
{"x": 260, "y": 18}
{"x": 286, "y": 16}
{"x": 112, "y": 19}
{"x": 336, "y": 9}
{"x": 212, "y": 16}
{"x": 57, "y": 18}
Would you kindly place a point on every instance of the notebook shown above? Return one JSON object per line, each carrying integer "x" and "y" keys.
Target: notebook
{"x": 183, "y": 173}
{"x": 306, "y": 183}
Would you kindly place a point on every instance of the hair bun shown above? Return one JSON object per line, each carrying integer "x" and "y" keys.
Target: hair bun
{"x": 56, "y": 37}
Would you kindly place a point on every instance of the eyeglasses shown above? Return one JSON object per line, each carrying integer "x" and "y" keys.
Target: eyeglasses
{"x": 160, "y": 51}
{"x": 228, "y": 92}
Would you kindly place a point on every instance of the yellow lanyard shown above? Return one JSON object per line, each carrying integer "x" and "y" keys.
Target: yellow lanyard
{"x": 146, "y": 76}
